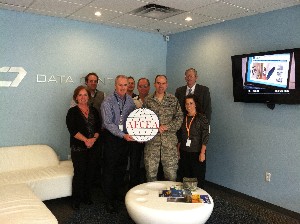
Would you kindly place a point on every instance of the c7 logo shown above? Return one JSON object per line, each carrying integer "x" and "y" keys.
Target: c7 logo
{"x": 21, "y": 74}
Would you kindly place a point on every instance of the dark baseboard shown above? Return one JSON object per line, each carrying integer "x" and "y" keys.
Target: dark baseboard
{"x": 268, "y": 205}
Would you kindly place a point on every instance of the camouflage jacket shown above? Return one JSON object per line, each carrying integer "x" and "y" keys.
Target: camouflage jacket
{"x": 168, "y": 110}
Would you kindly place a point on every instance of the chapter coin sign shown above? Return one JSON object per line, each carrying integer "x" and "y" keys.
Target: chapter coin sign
{"x": 142, "y": 124}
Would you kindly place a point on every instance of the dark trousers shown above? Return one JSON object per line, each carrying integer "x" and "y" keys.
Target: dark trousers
{"x": 136, "y": 150}
{"x": 115, "y": 156}
{"x": 192, "y": 167}
{"x": 179, "y": 172}
{"x": 99, "y": 161}
{"x": 84, "y": 166}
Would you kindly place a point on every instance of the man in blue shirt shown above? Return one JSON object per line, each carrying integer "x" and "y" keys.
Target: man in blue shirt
{"x": 115, "y": 110}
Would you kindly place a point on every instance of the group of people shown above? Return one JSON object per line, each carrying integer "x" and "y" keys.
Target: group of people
{"x": 97, "y": 126}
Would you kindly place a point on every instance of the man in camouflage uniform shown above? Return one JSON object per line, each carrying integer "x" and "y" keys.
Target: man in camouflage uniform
{"x": 163, "y": 145}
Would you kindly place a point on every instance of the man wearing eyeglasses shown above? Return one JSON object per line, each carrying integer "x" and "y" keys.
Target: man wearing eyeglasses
{"x": 200, "y": 91}
{"x": 202, "y": 94}
{"x": 143, "y": 87}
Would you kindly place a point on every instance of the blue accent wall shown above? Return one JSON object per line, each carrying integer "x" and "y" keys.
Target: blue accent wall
{"x": 246, "y": 139}
{"x": 52, "y": 51}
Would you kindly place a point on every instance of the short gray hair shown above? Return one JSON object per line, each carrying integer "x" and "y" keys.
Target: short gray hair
{"x": 119, "y": 77}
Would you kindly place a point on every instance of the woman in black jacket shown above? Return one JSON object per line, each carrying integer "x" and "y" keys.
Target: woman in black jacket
{"x": 84, "y": 126}
{"x": 193, "y": 140}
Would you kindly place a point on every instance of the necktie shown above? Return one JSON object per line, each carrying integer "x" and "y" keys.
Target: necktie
{"x": 190, "y": 91}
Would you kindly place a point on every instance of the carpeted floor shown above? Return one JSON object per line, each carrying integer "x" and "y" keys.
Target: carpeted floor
{"x": 228, "y": 209}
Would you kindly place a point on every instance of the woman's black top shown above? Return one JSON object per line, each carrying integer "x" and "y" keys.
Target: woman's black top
{"x": 199, "y": 133}
{"x": 77, "y": 122}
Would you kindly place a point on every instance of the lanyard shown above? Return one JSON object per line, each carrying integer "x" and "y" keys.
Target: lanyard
{"x": 121, "y": 107}
{"x": 188, "y": 127}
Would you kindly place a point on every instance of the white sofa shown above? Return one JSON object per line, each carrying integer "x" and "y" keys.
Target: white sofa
{"x": 29, "y": 175}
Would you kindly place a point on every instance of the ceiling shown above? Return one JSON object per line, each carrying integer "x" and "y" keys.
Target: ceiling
{"x": 119, "y": 13}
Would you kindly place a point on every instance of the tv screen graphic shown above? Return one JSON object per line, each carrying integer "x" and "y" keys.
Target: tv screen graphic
{"x": 271, "y": 71}
{"x": 267, "y": 77}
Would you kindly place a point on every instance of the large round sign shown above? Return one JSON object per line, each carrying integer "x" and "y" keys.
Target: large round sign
{"x": 142, "y": 124}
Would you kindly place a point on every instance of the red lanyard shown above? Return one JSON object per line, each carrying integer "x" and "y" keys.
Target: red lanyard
{"x": 188, "y": 127}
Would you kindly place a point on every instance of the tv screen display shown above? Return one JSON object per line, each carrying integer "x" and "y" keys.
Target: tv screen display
{"x": 267, "y": 77}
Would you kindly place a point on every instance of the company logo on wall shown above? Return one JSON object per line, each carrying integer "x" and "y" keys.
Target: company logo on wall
{"x": 52, "y": 78}
{"x": 17, "y": 74}
{"x": 8, "y": 73}
{"x": 12, "y": 70}
{"x": 142, "y": 124}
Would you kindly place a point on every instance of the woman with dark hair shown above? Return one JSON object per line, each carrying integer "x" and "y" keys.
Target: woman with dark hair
{"x": 84, "y": 126}
{"x": 193, "y": 140}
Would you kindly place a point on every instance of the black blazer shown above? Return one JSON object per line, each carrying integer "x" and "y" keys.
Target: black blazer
{"x": 203, "y": 95}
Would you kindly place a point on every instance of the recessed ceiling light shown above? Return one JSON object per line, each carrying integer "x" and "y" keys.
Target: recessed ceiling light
{"x": 188, "y": 18}
{"x": 98, "y": 13}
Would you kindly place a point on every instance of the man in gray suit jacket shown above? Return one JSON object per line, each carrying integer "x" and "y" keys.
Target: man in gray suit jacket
{"x": 202, "y": 92}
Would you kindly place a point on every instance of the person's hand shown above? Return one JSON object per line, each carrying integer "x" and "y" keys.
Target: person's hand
{"x": 128, "y": 137}
{"x": 202, "y": 157}
{"x": 87, "y": 144}
{"x": 93, "y": 140}
{"x": 162, "y": 128}
{"x": 90, "y": 142}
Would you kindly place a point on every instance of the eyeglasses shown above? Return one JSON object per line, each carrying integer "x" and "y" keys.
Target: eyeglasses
{"x": 143, "y": 86}
{"x": 190, "y": 76}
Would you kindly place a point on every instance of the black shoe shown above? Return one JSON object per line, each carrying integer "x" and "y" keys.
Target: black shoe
{"x": 76, "y": 206}
{"x": 120, "y": 199}
{"x": 110, "y": 208}
{"x": 88, "y": 202}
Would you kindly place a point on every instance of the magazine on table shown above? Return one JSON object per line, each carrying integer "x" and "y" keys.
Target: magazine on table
{"x": 175, "y": 194}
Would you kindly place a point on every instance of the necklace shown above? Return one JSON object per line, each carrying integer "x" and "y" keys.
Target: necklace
{"x": 85, "y": 112}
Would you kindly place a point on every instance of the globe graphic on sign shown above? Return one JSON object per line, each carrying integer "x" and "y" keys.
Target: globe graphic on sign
{"x": 142, "y": 124}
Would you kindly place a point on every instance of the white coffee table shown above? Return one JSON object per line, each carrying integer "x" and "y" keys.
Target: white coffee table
{"x": 145, "y": 206}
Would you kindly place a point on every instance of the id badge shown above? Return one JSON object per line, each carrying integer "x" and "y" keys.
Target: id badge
{"x": 121, "y": 127}
{"x": 188, "y": 142}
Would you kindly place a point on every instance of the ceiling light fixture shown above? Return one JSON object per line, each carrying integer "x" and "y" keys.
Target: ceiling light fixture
{"x": 97, "y": 13}
{"x": 188, "y": 18}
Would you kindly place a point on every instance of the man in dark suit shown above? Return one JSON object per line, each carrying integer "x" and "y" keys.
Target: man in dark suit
{"x": 202, "y": 92}
{"x": 203, "y": 96}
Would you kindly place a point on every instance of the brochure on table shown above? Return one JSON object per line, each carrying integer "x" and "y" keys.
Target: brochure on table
{"x": 177, "y": 194}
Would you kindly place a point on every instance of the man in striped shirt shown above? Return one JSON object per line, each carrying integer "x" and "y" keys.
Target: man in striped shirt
{"x": 115, "y": 110}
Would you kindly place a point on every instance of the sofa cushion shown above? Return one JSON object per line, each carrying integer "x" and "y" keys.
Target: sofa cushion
{"x": 18, "y": 205}
{"x": 46, "y": 182}
{"x": 26, "y": 157}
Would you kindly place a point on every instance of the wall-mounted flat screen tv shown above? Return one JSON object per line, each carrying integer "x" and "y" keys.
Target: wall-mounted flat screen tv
{"x": 271, "y": 77}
